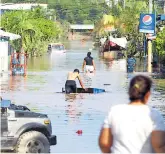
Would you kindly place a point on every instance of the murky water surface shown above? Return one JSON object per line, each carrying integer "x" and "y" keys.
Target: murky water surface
{"x": 86, "y": 112}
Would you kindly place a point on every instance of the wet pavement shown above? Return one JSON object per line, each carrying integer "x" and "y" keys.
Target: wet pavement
{"x": 40, "y": 91}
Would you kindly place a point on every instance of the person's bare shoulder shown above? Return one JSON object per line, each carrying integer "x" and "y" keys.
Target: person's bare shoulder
{"x": 70, "y": 73}
{"x": 78, "y": 76}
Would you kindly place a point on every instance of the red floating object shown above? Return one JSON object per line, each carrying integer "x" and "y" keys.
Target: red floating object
{"x": 79, "y": 132}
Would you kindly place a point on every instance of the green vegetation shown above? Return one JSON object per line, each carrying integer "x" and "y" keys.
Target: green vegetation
{"x": 35, "y": 29}
{"x": 124, "y": 19}
{"x": 78, "y": 11}
{"x": 73, "y": 11}
{"x": 126, "y": 22}
{"x": 130, "y": 19}
{"x": 160, "y": 45}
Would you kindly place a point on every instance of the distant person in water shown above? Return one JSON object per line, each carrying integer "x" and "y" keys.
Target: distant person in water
{"x": 70, "y": 85}
{"x": 89, "y": 64}
{"x": 131, "y": 62}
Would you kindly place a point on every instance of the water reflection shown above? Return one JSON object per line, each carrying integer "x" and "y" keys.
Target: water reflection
{"x": 73, "y": 110}
{"x": 57, "y": 60}
{"x": 11, "y": 83}
{"x": 115, "y": 65}
{"x": 14, "y": 81}
{"x": 39, "y": 64}
{"x": 70, "y": 97}
{"x": 69, "y": 113}
{"x": 108, "y": 63}
{"x": 87, "y": 79}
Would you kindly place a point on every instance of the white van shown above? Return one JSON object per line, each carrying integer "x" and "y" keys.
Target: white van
{"x": 56, "y": 48}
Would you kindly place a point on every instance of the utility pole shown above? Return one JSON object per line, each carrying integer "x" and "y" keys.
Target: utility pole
{"x": 150, "y": 44}
{"x": 150, "y": 6}
{"x": 124, "y": 4}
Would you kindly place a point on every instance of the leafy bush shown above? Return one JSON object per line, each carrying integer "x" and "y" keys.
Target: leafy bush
{"x": 160, "y": 45}
{"x": 35, "y": 29}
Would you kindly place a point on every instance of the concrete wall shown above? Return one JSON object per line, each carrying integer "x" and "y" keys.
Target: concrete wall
{"x": 4, "y": 56}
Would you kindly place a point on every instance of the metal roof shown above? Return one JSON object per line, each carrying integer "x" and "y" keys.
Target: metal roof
{"x": 12, "y": 36}
{"x": 81, "y": 26}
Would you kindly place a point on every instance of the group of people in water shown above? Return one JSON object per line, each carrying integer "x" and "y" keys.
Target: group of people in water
{"x": 129, "y": 128}
{"x": 89, "y": 65}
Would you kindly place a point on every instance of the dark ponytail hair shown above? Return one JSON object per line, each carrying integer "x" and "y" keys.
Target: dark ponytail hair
{"x": 139, "y": 86}
{"x": 89, "y": 54}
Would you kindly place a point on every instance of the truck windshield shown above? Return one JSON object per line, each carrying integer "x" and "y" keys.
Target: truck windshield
{"x": 58, "y": 47}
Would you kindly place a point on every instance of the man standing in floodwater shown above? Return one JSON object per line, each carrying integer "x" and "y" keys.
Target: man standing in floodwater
{"x": 131, "y": 62}
{"x": 89, "y": 64}
{"x": 70, "y": 85}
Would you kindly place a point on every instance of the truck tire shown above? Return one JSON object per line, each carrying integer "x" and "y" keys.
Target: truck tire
{"x": 33, "y": 142}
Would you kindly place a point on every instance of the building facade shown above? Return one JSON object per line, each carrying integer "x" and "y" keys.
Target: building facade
{"x": 19, "y": 6}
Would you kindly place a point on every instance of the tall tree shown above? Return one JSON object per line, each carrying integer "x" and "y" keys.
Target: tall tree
{"x": 35, "y": 29}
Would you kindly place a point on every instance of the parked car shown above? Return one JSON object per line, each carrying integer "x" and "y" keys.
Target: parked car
{"x": 24, "y": 131}
{"x": 56, "y": 48}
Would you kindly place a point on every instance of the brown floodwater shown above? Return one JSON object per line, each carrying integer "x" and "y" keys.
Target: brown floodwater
{"x": 40, "y": 91}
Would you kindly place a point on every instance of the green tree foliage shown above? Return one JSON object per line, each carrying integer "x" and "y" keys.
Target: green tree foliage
{"x": 129, "y": 24}
{"x": 73, "y": 11}
{"x": 78, "y": 11}
{"x": 126, "y": 21}
{"x": 160, "y": 45}
{"x": 35, "y": 29}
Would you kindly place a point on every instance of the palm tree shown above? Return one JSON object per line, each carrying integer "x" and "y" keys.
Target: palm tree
{"x": 106, "y": 23}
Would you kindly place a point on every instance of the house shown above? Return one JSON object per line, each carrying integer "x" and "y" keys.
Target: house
{"x": 19, "y": 6}
{"x": 3, "y": 54}
{"x": 4, "y": 49}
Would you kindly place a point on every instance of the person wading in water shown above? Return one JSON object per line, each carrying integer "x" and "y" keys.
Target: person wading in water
{"x": 70, "y": 85}
{"x": 89, "y": 64}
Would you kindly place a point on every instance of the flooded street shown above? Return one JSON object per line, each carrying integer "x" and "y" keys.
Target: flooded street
{"x": 40, "y": 91}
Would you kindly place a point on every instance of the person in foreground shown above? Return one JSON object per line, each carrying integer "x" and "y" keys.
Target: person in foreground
{"x": 134, "y": 127}
{"x": 89, "y": 64}
{"x": 70, "y": 85}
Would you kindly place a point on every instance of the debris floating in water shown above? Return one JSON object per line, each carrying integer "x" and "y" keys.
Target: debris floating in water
{"x": 107, "y": 84}
{"x": 79, "y": 132}
{"x": 89, "y": 90}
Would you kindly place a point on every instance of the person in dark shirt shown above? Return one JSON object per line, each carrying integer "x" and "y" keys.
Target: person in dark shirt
{"x": 89, "y": 64}
{"x": 131, "y": 62}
